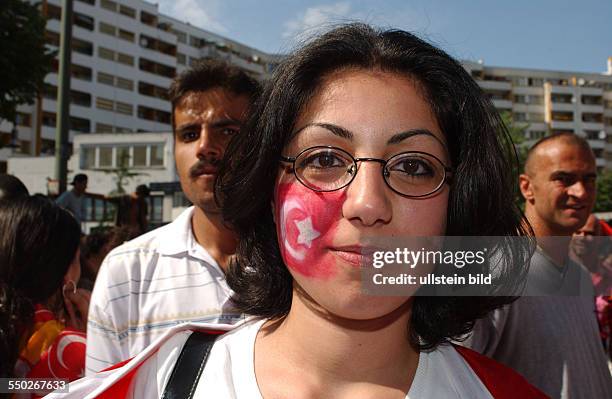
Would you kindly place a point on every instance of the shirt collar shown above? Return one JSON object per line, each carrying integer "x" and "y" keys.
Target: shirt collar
{"x": 178, "y": 238}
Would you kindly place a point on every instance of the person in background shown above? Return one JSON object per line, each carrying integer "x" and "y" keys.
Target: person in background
{"x": 592, "y": 249}
{"x": 11, "y": 188}
{"x": 551, "y": 336}
{"x": 74, "y": 200}
{"x": 176, "y": 273}
{"x": 94, "y": 248}
{"x": 133, "y": 210}
{"x": 42, "y": 313}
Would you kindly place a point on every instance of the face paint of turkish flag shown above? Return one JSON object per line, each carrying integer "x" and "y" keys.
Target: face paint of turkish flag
{"x": 306, "y": 222}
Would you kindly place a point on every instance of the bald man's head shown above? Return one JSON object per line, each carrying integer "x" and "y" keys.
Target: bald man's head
{"x": 559, "y": 184}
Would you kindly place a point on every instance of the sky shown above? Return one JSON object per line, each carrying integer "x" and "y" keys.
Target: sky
{"x": 560, "y": 35}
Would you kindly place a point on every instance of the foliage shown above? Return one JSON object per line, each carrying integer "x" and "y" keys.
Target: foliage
{"x": 604, "y": 193}
{"x": 517, "y": 134}
{"x": 25, "y": 60}
{"x": 122, "y": 174}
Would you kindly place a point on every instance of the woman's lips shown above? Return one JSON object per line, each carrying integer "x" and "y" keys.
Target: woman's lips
{"x": 355, "y": 256}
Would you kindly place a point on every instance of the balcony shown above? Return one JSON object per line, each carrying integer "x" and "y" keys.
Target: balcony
{"x": 502, "y": 104}
{"x": 494, "y": 85}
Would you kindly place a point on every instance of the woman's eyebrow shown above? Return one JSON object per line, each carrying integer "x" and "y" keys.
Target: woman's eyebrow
{"x": 399, "y": 137}
{"x": 335, "y": 129}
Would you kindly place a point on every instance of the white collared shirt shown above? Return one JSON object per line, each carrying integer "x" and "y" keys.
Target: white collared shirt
{"x": 150, "y": 284}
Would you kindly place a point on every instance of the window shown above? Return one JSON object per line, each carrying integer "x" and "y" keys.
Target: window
{"x": 104, "y": 103}
{"x": 80, "y": 72}
{"x": 592, "y": 100}
{"x": 109, "y": 5}
{"x": 563, "y": 116}
{"x": 140, "y": 155}
{"x": 106, "y": 54}
{"x": 181, "y": 37}
{"x": 106, "y": 79}
{"x": 125, "y": 59}
{"x": 156, "y": 68}
{"x": 91, "y": 2}
{"x": 124, "y": 108}
{"x": 148, "y": 89}
{"x": 181, "y": 59}
{"x": 79, "y": 124}
{"x": 84, "y": 21}
{"x": 562, "y": 98}
{"x": 80, "y": 98}
{"x": 103, "y": 128}
{"x": 49, "y": 119}
{"x": 106, "y": 157}
{"x": 592, "y": 118}
{"x": 125, "y": 84}
{"x": 88, "y": 157}
{"x": 535, "y": 117}
{"x": 126, "y": 35}
{"x": 519, "y": 117}
{"x": 23, "y": 119}
{"x": 52, "y": 38}
{"x": 157, "y": 155}
{"x": 49, "y": 91}
{"x": 152, "y": 114}
{"x": 122, "y": 156}
{"x": 82, "y": 46}
{"x": 54, "y": 12}
{"x": 148, "y": 19}
{"x": 156, "y": 207}
{"x": 127, "y": 11}
{"x": 107, "y": 29}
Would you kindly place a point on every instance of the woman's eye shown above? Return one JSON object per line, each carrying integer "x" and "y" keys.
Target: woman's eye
{"x": 413, "y": 167}
{"x": 323, "y": 161}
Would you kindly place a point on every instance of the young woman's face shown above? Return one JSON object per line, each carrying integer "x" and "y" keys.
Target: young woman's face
{"x": 321, "y": 234}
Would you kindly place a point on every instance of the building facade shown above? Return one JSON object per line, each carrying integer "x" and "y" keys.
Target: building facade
{"x": 548, "y": 102}
{"x": 124, "y": 56}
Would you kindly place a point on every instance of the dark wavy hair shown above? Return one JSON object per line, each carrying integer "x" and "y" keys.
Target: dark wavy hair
{"x": 481, "y": 151}
{"x": 209, "y": 74}
{"x": 39, "y": 242}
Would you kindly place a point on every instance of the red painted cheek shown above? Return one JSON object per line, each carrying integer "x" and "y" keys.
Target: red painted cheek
{"x": 306, "y": 224}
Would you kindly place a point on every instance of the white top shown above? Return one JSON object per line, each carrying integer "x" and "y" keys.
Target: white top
{"x": 230, "y": 373}
{"x": 150, "y": 284}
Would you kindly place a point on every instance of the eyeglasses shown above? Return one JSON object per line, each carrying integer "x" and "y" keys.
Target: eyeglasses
{"x": 412, "y": 174}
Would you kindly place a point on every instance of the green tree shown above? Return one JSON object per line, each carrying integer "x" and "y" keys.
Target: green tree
{"x": 604, "y": 193}
{"x": 25, "y": 60}
{"x": 517, "y": 134}
{"x": 121, "y": 174}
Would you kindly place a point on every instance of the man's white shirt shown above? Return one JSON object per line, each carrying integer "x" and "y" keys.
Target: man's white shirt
{"x": 150, "y": 284}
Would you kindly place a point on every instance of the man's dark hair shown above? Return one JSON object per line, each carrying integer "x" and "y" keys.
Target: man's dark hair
{"x": 11, "y": 188}
{"x": 39, "y": 241}
{"x": 210, "y": 74}
{"x": 481, "y": 193}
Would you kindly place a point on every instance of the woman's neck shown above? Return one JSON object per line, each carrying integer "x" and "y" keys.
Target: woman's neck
{"x": 326, "y": 349}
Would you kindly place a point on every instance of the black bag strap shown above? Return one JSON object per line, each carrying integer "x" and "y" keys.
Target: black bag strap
{"x": 189, "y": 366}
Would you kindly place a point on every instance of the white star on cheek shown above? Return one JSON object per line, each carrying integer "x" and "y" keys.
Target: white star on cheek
{"x": 307, "y": 232}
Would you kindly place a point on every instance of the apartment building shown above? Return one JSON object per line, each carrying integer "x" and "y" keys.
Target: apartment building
{"x": 548, "y": 102}
{"x": 124, "y": 56}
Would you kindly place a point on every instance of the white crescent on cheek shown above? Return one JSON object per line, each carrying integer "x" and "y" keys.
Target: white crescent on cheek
{"x": 287, "y": 207}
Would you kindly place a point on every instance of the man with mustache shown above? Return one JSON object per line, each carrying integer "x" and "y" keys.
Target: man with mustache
{"x": 176, "y": 274}
{"x": 550, "y": 335}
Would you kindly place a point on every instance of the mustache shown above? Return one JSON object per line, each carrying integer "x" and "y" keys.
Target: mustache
{"x": 198, "y": 168}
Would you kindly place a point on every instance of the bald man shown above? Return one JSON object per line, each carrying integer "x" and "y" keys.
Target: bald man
{"x": 550, "y": 335}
